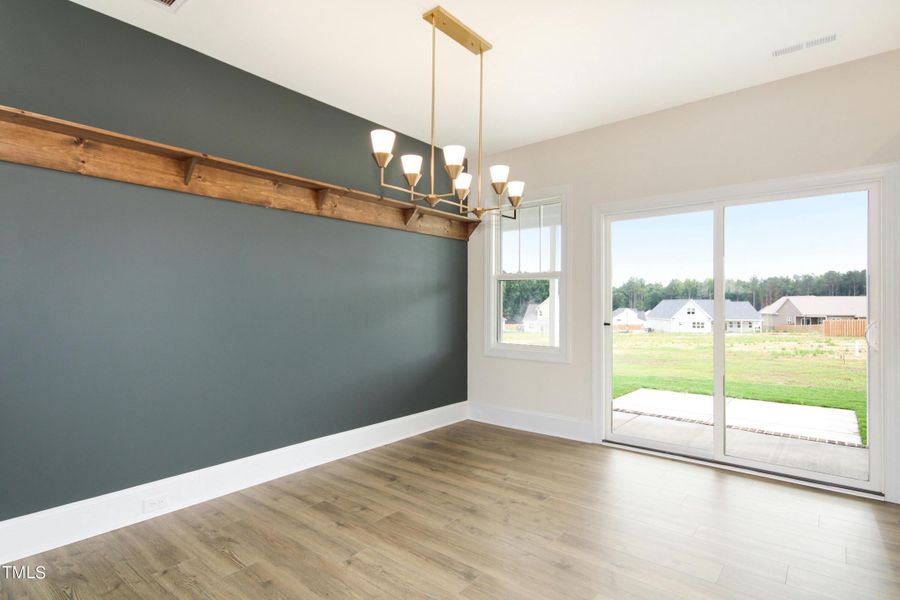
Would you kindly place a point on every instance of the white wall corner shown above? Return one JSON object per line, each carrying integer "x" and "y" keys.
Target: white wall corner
{"x": 560, "y": 426}
{"x": 30, "y": 534}
{"x": 890, "y": 334}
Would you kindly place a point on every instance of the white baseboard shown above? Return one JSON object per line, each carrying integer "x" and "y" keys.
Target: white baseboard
{"x": 41, "y": 531}
{"x": 535, "y": 422}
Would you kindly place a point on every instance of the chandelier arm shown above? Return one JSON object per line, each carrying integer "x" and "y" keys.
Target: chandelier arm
{"x": 492, "y": 209}
{"x": 413, "y": 192}
{"x": 451, "y": 202}
{"x": 405, "y": 190}
{"x": 497, "y": 209}
{"x": 397, "y": 187}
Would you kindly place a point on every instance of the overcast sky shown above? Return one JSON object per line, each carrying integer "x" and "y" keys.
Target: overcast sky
{"x": 790, "y": 237}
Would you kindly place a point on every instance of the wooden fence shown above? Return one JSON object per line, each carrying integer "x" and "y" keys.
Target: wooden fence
{"x": 845, "y": 327}
{"x": 831, "y": 327}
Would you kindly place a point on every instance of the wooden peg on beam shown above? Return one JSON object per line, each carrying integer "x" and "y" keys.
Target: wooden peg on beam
{"x": 409, "y": 214}
{"x": 189, "y": 165}
{"x": 323, "y": 194}
{"x": 321, "y": 197}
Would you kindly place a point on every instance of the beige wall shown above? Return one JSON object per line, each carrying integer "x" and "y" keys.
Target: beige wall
{"x": 837, "y": 118}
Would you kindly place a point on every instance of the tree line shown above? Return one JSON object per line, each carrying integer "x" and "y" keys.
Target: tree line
{"x": 640, "y": 295}
{"x": 519, "y": 293}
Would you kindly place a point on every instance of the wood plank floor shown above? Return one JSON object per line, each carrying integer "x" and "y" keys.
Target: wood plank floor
{"x": 476, "y": 511}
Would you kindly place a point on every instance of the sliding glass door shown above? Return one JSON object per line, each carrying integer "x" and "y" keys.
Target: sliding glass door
{"x": 796, "y": 391}
{"x": 745, "y": 332}
{"x": 661, "y": 331}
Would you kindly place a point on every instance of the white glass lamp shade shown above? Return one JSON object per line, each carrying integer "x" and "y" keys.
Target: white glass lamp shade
{"x": 515, "y": 188}
{"x": 453, "y": 160}
{"x": 382, "y": 145}
{"x": 462, "y": 183}
{"x": 412, "y": 167}
{"x": 383, "y": 140}
{"x": 499, "y": 174}
{"x": 499, "y": 177}
{"x": 412, "y": 164}
{"x": 454, "y": 155}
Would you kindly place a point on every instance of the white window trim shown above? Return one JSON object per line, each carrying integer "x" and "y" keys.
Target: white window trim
{"x": 492, "y": 346}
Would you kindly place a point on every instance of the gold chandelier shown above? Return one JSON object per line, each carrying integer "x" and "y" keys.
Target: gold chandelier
{"x": 454, "y": 155}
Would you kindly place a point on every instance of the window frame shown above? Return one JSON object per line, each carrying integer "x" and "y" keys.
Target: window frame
{"x": 493, "y": 275}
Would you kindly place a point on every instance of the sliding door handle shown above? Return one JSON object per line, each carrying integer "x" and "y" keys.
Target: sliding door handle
{"x": 868, "y": 336}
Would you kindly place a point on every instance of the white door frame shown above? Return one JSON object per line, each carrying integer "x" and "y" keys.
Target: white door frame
{"x": 883, "y": 184}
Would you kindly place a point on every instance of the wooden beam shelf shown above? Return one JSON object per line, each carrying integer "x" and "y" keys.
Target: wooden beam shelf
{"x": 37, "y": 140}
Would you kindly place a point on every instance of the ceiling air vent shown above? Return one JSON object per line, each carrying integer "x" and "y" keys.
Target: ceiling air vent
{"x": 825, "y": 39}
{"x": 822, "y": 40}
{"x": 172, "y": 5}
{"x": 788, "y": 50}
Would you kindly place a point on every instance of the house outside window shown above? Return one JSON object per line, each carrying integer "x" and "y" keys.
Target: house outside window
{"x": 527, "y": 282}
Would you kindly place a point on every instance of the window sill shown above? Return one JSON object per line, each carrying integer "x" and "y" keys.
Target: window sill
{"x": 523, "y": 352}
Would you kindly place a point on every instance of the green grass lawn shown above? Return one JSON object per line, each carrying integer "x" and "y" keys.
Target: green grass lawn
{"x": 521, "y": 337}
{"x": 794, "y": 368}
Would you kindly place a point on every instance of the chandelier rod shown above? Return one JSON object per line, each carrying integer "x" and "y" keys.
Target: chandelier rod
{"x": 433, "y": 78}
{"x": 480, "y": 125}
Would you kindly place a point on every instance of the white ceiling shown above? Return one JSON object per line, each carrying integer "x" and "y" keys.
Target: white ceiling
{"x": 556, "y": 67}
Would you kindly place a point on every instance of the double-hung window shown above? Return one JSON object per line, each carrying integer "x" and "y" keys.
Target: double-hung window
{"x": 527, "y": 284}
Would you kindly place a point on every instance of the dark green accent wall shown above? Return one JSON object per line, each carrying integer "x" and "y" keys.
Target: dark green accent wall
{"x": 146, "y": 333}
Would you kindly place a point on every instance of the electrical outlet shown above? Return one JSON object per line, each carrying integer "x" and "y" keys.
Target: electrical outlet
{"x": 155, "y": 503}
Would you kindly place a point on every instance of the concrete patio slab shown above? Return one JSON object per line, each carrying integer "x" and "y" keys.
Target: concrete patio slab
{"x": 803, "y": 422}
